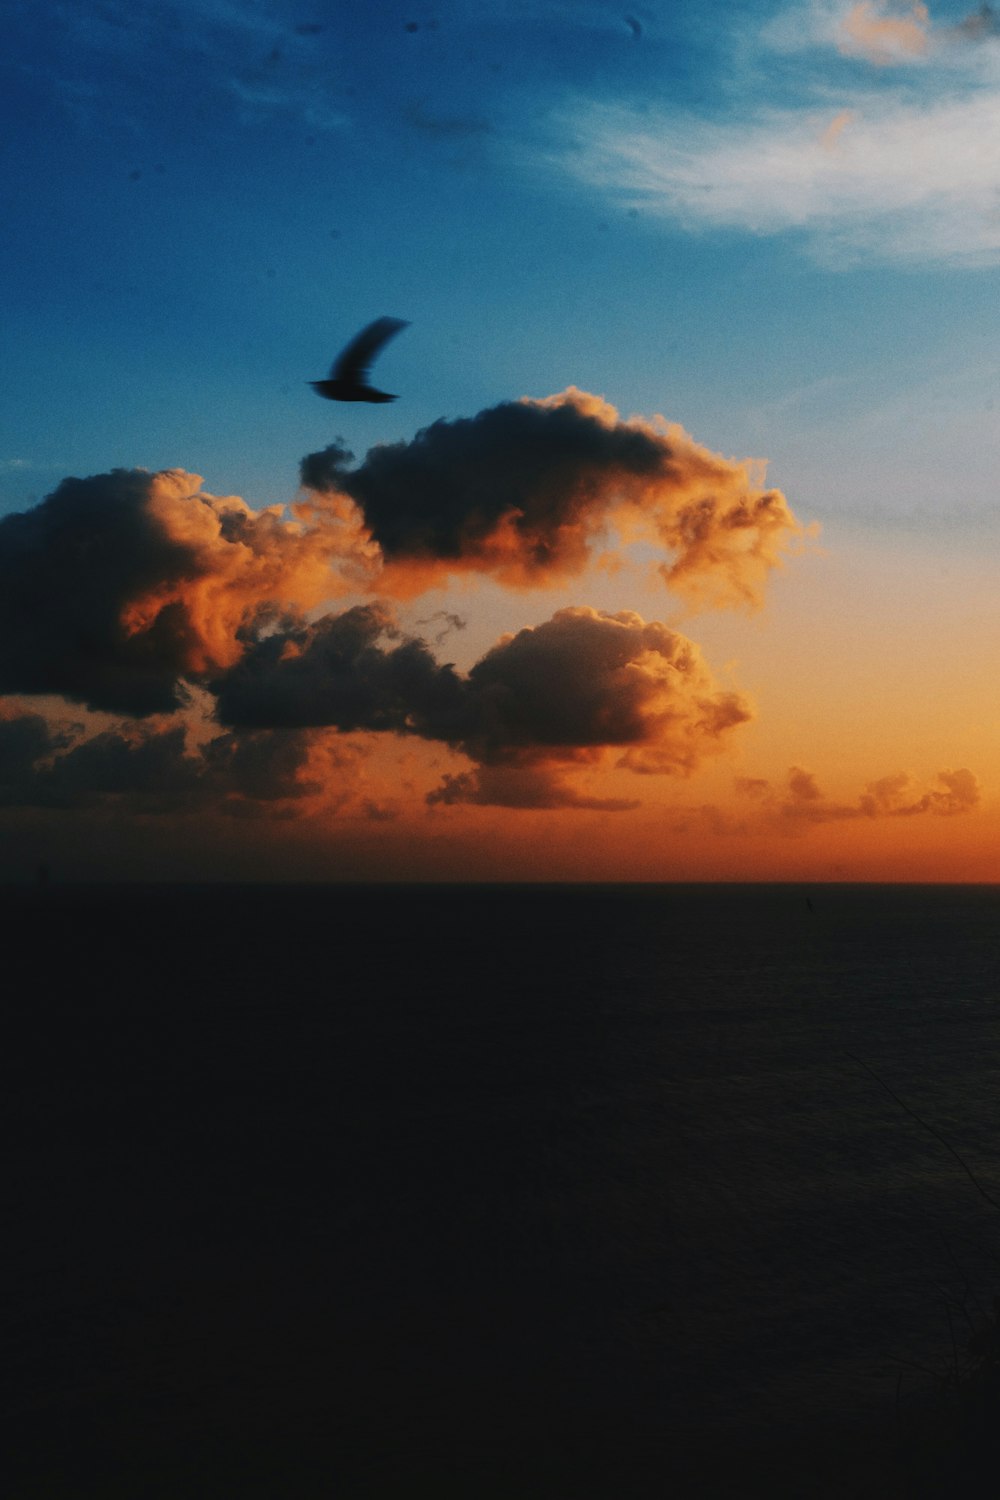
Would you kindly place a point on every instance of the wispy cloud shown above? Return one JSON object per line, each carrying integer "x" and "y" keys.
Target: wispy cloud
{"x": 881, "y": 33}
{"x": 884, "y": 35}
{"x": 863, "y": 161}
{"x": 890, "y": 178}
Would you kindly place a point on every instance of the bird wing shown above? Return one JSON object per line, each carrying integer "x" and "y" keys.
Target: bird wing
{"x": 353, "y": 363}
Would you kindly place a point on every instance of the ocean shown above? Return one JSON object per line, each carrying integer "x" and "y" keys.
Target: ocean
{"x": 473, "y": 1191}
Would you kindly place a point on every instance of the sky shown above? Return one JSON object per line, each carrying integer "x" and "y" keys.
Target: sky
{"x": 676, "y": 556}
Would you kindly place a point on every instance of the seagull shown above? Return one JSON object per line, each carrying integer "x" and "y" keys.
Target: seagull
{"x": 348, "y": 380}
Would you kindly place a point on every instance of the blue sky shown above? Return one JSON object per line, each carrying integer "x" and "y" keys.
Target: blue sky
{"x": 207, "y": 199}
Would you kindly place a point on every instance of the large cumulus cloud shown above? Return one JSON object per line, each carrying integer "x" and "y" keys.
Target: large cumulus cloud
{"x": 524, "y": 491}
{"x": 119, "y": 588}
{"x": 582, "y": 690}
{"x": 559, "y": 694}
{"x": 119, "y": 585}
{"x": 138, "y": 594}
{"x": 587, "y": 680}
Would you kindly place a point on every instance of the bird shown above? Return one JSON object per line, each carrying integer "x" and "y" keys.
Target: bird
{"x": 348, "y": 378}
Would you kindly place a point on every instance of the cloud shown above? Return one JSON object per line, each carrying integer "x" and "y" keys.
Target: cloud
{"x": 26, "y": 738}
{"x": 559, "y": 695}
{"x": 261, "y": 766}
{"x": 889, "y": 153}
{"x": 148, "y": 769}
{"x": 582, "y": 691}
{"x": 154, "y": 769}
{"x": 139, "y": 594}
{"x": 585, "y": 681}
{"x": 336, "y": 671}
{"x": 531, "y": 788}
{"x": 883, "y": 35}
{"x": 752, "y": 786}
{"x": 582, "y": 681}
{"x": 802, "y": 787}
{"x": 909, "y": 180}
{"x": 451, "y": 622}
{"x": 117, "y": 586}
{"x": 832, "y": 132}
{"x": 802, "y": 803}
{"x": 525, "y": 491}
{"x": 896, "y": 34}
{"x": 956, "y": 792}
{"x": 119, "y": 589}
{"x": 978, "y": 26}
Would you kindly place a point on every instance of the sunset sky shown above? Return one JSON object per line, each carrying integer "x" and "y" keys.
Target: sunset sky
{"x": 676, "y": 557}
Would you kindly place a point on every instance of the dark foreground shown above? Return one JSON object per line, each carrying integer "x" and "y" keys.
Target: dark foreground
{"x": 391, "y": 1193}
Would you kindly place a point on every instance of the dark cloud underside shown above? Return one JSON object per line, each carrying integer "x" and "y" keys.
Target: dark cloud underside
{"x": 524, "y": 491}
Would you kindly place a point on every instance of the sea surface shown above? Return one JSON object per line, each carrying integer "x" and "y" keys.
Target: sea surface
{"x": 491, "y": 1191}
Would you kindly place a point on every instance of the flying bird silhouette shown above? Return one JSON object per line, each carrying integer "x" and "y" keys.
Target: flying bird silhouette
{"x": 348, "y": 379}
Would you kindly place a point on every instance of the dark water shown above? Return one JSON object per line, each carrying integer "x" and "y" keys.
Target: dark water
{"x": 488, "y": 1192}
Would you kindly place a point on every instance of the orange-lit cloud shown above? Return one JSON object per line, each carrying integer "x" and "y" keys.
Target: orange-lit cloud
{"x": 214, "y": 687}
{"x": 118, "y": 589}
{"x": 138, "y": 594}
{"x": 566, "y": 696}
{"x": 528, "y": 491}
{"x": 582, "y": 684}
{"x": 801, "y": 802}
{"x": 561, "y": 694}
{"x": 117, "y": 586}
{"x": 831, "y": 135}
{"x": 897, "y": 797}
{"x": 586, "y": 680}
{"x": 882, "y": 36}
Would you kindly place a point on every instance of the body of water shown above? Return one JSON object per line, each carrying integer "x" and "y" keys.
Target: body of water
{"x": 528, "y": 1191}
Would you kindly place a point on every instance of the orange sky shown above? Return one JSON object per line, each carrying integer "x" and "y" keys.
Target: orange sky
{"x": 871, "y": 658}
{"x": 868, "y": 660}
